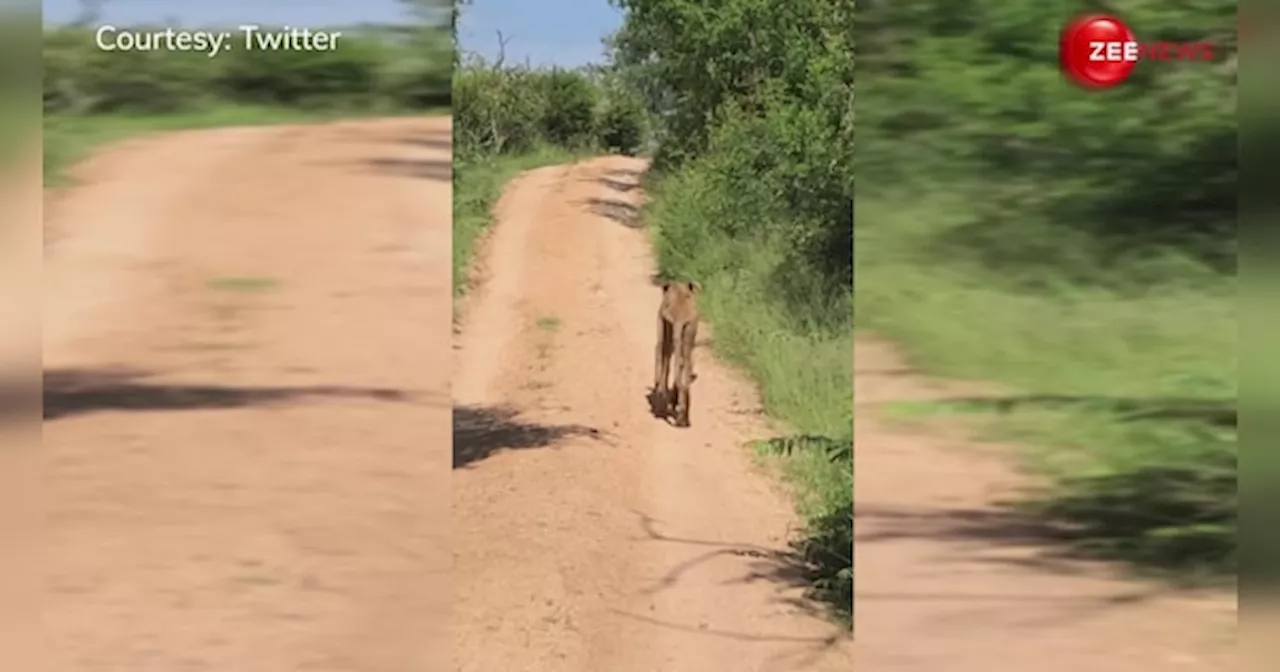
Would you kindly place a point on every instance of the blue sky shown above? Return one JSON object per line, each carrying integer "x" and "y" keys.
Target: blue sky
{"x": 300, "y": 13}
{"x": 546, "y": 32}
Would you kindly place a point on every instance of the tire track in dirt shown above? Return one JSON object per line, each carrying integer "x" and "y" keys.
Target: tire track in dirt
{"x": 588, "y": 535}
{"x": 246, "y": 370}
{"x": 948, "y": 580}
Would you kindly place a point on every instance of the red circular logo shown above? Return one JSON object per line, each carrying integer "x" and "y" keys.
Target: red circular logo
{"x": 1098, "y": 51}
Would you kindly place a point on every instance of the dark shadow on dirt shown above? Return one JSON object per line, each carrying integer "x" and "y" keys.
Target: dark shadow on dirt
{"x": 1175, "y": 522}
{"x": 622, "y": 181}
{"x": 787, "y": 570}
{"x": 960, "y": 596}
{"x": 481, "y": 431}
{"x": 988, "y": 536}
{"x": 1066, "y": 609}
{"x": 621, "y": 212}
{"x": 427, "y": 141}
{"x": 804, "y": 654}
{"x": 1178, "y": 519}
{"x": 662, "y": 406}
{"x": 18, "y": 398}
{"x": 1216, "y": 412}
{"x": 419, "y": 168}
{"x": 1172, "y": 513}
{"x": 69, "y": 392}
{"x": 985, "y": 526}
{"x": 618, "y": 185}
{"x": 658, "y": 406}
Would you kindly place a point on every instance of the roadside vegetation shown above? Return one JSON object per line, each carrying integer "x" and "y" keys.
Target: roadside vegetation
{"x": 92, "y": 96}
{"x": 19, "y": 81}
{"x": 1078, "y": 249}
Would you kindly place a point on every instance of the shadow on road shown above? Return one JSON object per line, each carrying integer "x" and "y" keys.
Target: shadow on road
{"x": 986, "y": 536}
{"x": 17, "y": 398}
{"x": 1216, "y": 412}
{"x": 427, "y": 141}
{"x": 805, "y": 654}
{"x": 1176, "y": 517}
{"x": 621, "y": 212}
{"x": 1177, "y": 520}
{"x": 985, "y": 526}
{"x": 481, "y": 431}
{"x": 1066, "y": 609}
{"x": 425, "y": 169}
{"x": 419, "y": 168}
{"x": 69, "y": 392}
{"x": 619, "y": 185}
{"x": 787, "y": 570}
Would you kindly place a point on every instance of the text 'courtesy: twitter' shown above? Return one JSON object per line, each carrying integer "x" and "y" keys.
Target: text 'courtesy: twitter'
{"x": 250, "y": 37}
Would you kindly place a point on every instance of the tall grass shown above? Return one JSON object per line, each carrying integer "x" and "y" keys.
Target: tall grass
{"x": 1123, "y": 388}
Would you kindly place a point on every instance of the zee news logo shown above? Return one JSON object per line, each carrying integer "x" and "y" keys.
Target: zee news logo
{"x": 1098, "y": 51}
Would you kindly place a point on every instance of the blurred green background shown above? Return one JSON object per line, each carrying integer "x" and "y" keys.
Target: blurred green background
{"x": 92, "y": 96}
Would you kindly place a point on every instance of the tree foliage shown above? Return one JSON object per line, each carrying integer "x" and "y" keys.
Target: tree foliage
{"x": 387, "y": 67}
{"x": 511, "y": 109}
{"x": 758, "y": 93}
{"x": 958, "y": 90}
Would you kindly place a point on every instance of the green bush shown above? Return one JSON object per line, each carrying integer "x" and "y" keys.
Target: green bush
{"x": 622, "y": 126}
{"x": 568, "y": 118}
{"x": 496, "y": 110}
{"x": 511, "y": 110}
{"x": 294, "y": 78}
{"x": 370, "y": 70}
{"x": 973, "y": 89}
{"x": 80, "y": 78}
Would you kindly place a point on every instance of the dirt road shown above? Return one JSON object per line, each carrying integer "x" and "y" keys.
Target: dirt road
{"x": 19, "y": 403}
{"x": 590, "y": 536}
{"x": 947, "y": 580}
{"x": 246, "y": 369}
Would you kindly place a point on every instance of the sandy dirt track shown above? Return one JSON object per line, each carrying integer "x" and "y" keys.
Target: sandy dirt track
{"x": 590, "y": 536}
{"x": 246, "y": 408}
{"x": 948, "y": 580}
{"x": 20, "y": 244}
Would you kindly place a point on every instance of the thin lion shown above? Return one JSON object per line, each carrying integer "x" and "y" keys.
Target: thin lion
{"x": 677, "y": 331}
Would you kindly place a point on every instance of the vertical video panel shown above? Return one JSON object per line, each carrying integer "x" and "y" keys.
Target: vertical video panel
{"x": 246, "y": 335}
{"x": 19, "y": 333}
{"x": 1260, "y": 378}
{"x": 1046, "y": 364}
{"x": 652, "y": 389}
